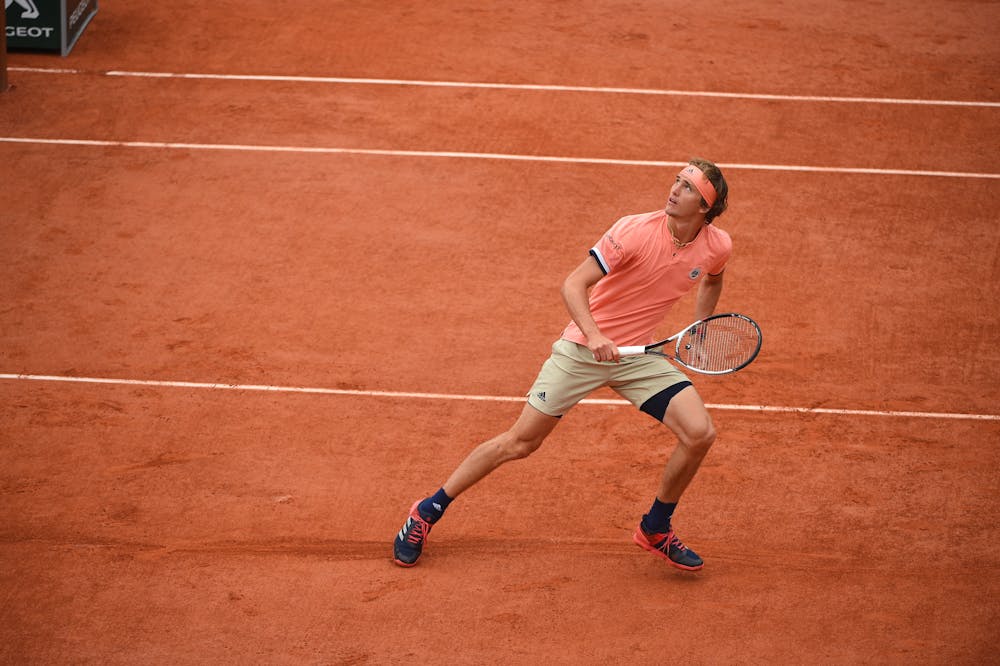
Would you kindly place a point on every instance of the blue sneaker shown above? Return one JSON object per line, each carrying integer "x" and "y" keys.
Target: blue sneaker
{"x": 410, "y": 541}
{"x": 669, "y": 547}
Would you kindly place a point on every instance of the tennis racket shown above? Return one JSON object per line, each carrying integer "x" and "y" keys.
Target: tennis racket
{"x": 716, "y": 345}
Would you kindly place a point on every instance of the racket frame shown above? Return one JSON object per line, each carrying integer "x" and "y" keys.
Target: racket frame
{"x": 655, "y": 348}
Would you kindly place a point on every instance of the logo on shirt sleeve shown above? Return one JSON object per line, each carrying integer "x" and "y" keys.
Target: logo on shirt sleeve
{"x": 695, "y": 273}
{"x": 613, "y": 248}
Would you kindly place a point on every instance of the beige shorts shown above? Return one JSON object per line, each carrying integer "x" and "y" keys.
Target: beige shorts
{"x": 571, "y": 373}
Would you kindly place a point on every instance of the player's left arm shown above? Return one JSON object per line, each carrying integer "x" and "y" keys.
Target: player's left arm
{"x": 709, "y": 292}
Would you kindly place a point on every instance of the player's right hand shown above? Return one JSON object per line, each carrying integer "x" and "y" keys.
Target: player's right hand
{"x": 603, "y": 348}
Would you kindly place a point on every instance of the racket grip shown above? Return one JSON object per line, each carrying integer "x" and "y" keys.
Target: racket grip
{"x": 631, "y": 351}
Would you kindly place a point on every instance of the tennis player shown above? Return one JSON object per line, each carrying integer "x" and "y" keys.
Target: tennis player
{"x": 616, "y": 297}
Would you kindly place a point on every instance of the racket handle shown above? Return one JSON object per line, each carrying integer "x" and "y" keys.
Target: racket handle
{"x": 631, "y": 351}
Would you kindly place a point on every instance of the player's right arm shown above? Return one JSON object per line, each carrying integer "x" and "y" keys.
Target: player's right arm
{"x": 575, "y": 294}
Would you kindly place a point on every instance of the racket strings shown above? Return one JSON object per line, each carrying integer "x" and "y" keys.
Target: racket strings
{"x": 720, "y": 345}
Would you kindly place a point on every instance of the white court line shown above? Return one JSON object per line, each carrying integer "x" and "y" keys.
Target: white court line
{"x": 484, "y": 156}
{"x": 478, "y": 398}
{"x": 516, "y": 86}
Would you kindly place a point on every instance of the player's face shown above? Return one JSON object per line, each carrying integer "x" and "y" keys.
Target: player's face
{"x": 684, "y": 199}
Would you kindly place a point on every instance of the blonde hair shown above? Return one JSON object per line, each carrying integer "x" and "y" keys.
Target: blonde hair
{"x": 714, "y": 175}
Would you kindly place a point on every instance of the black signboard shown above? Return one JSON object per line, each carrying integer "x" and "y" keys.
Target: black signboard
{"x": 47, "y": 25}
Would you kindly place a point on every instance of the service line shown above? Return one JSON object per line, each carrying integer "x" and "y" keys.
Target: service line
{"x": 476, "y": 398}
{"x": 515, "y": 86}
{"x": 168, "y": 145}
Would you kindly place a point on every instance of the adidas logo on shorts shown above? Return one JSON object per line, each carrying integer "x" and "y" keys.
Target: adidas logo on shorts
{"x": 540, "y": 395}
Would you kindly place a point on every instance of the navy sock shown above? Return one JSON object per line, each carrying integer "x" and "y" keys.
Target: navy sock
{"x": 657, "y": 521}
{"x": 432, "y": 508}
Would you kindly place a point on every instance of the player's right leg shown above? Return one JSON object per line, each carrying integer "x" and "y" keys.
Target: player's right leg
{"x": 568, "y": 375}
{"x": 527, "y": 434}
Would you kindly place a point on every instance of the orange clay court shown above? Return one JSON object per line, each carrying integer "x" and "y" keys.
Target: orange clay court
{"x": 246, "y": 321}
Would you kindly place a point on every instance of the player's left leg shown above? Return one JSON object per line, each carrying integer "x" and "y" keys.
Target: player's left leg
{"x": 688, "y": 418}
{"x": 685, "y": 414}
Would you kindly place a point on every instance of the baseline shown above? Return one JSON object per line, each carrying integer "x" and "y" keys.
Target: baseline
{"x": 475, "y": 398}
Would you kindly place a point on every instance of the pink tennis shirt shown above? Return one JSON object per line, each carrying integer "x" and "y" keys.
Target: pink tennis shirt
{"x": 645, "y": 274}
